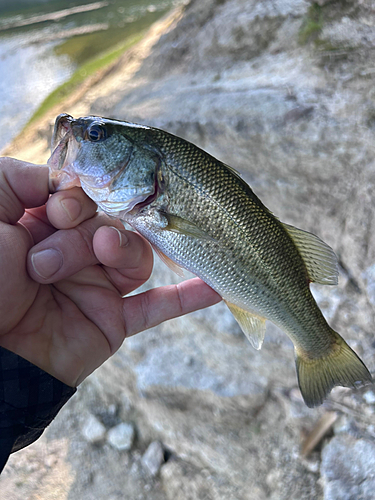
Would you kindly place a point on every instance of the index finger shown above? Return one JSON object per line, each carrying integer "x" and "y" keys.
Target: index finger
{"x": 152, "y": 307}
{"x": 22, "y": 185}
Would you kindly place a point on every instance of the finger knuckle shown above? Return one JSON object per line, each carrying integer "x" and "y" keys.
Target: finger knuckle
{"x": 179, "y": 299}
{"x": 85, "y": 236}
{"x": 146, "y": 308}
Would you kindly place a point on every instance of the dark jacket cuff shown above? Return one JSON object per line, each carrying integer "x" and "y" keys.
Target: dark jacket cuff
{"x": 29, "y": 400}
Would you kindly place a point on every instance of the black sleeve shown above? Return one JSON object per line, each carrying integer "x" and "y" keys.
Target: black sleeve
{"x": 29, "y": 400}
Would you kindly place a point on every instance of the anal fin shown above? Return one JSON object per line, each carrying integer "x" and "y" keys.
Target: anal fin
{"x": 253, "y": 326}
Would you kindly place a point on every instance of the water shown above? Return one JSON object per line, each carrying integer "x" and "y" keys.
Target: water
{"x": 42, "y": 44}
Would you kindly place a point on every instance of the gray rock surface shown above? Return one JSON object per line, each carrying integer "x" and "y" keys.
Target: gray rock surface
{"x": 283, "y": 91}
{"x": 348, "y": 469}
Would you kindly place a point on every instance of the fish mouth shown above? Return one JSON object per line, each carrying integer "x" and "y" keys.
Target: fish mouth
{"x": 64, "y": 150}
{"x": 62, "y": 128}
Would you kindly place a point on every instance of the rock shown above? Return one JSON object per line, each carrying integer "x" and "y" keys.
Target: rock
{"x": 369, "y": 397}
{"x": 93, "y": 430}
{"x": 369, "y": 277}
{"x": 348, "y": 469}
{"x": 121, "y": 436}
{"x": 182, "y": 481}
{"x": 348, "y": 33}
{"x": 153, "y": 458}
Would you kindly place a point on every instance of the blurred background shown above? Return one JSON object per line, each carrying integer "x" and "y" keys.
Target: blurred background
{"x": 44, "y": 43}
{"x": 283, "y": 91}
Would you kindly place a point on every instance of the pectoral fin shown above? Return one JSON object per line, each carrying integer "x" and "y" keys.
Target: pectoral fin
{"x": 253, "y": 326}
{"x": 177, "y": 224}
{"x": 320, "y": 260}
{"x": 170, "y": 263}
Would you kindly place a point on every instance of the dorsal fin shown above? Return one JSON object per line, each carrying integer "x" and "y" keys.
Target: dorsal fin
{"x": 319, "y": 258}
{"x": 253, "y": 326}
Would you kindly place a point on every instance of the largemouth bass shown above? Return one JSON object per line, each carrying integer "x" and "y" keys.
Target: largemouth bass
{"x": 199, "y": 214}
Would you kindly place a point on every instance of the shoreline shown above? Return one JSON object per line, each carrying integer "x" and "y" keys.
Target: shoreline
{"x": 32, "y": 143}
{"x": 54, "y": 16}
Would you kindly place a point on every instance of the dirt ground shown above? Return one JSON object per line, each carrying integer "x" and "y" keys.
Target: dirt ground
{"x": 282, "y": 91}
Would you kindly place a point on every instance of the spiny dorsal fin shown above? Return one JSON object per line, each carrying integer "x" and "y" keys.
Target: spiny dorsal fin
{"x": 319, "y": 258}
{"x": 170, "y": 263}
{"x": 253, "y": 326}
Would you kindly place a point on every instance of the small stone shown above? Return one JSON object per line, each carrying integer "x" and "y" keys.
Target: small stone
{"x": 311, "y": 465}
{"x": 121, "y": 437}
{"x": 50, "y": 461}
{"x": 93, "y": 430}
{"x": 369, "y": 397}
{"x": 153, "y": 458}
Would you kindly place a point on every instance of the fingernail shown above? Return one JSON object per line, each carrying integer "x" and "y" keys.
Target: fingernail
{"x": 46, "y": 262}
{"x": 123, "y": 239}
{"x": 72, "y": 207}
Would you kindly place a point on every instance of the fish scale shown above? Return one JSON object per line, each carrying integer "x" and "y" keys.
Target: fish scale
{"x": 246, "y": 275}
{"x": 200, "y": 215}
{"x": 244, "y": 212}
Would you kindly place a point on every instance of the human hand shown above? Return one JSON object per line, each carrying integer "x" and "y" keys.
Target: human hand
{"x": 63, "y": 274}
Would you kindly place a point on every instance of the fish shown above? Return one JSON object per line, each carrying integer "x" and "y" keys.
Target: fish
{"x": 200, "y": 215}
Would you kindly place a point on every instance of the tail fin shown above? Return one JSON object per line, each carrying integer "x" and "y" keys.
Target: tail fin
{"x": 340, "y": 366}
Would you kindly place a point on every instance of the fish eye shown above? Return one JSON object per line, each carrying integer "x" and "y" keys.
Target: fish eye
{"x": 96, "y": 133}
